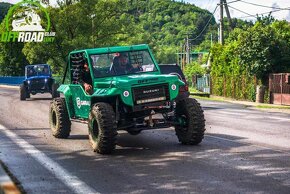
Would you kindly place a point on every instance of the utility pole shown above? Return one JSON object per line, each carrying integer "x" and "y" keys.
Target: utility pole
{"x": 228, "y": 14}
{"x": 221, "y": 23}
{"x": 187, "y": 50}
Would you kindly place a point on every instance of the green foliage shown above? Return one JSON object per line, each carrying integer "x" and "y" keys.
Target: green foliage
{"x": 12, "y": 61}
{"x": 4, "y": 7}
{"x": 193, "y": 69}
{"x": 229, "y": 78}
{"x": 164, "y": 23}
{"x": 265, "y": 48}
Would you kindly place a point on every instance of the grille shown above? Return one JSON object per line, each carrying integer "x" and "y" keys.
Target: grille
{"x": 153, "y": 93}
{"x": 37, "y": 83}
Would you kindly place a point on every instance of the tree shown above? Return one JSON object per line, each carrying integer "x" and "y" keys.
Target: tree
{"x": 265, "y": 48}
{"x": 4, "y": 7}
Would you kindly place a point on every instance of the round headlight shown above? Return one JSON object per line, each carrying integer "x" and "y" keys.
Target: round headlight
{"x": 45, "y": 80}
{"x": 28, "y": 81}
{"x": 173, "y": 87}
{"x": 126, "y": 93}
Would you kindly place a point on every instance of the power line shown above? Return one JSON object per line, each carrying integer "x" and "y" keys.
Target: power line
{"x": 259, "y": 14}
{"x": 250, "y": 15}
{"x": 208, "y": 4}
{"x": 287, "y": 8}
{"x": 212, "y": 15}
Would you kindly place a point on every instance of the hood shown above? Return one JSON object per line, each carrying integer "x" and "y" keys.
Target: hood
{"x": 136, "y": 80}
{"x": 38, "y": 77}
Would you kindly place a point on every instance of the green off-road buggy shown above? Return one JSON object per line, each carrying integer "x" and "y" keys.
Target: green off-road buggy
{"x": 126, "y": 94}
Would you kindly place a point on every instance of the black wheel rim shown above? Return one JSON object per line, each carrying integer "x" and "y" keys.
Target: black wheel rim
{"x": 95, "y": 129}
{"x": 183, "y": 121}
{"x": 53, "y": 118}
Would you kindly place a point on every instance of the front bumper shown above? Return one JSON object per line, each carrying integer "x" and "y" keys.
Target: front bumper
{"x": 39, "y": 87}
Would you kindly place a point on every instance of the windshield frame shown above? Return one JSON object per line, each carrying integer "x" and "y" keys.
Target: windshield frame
{"x": 92, "y": 65}
{"x": 37, "y": 73}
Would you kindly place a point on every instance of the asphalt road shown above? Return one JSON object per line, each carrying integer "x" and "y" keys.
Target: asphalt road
{"x": 244, "y": 151}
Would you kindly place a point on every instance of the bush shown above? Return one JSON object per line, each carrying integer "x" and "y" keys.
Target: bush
{"x": 193, "y": 69}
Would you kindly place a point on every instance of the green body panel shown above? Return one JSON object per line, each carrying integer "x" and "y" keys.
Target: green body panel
{"x": 79, "y": 103}
{"x": 116, "y": 86}
{"x": 68, "y": 98}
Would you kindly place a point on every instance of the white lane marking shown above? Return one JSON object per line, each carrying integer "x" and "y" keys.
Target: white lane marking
{"x": 68, "y": 179}
{"x": 248, "y": 144}
{"x": 280, "y": 118}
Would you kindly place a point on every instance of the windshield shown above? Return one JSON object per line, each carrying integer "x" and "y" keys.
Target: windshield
{"x": 37, "y": 70}
{"x": 122, "y": 63}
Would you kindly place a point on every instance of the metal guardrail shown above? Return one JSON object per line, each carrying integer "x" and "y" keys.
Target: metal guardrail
{"x": 11, "y": 80}
{"x": 17, "y": 80}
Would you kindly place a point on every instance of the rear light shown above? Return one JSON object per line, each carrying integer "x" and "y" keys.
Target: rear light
{"x": 184, "y": 88}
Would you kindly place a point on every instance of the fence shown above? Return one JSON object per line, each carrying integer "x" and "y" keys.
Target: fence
{"x": 203, "y": 83}
{"x": 11, "y": 80}
{"x": 279, "y": 86}
{"x": 17, "y": 80}
{"x": 237, "y": 87}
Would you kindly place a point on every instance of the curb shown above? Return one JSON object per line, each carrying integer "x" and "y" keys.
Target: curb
{"x": 200, "y": 94}
{"x": 7, "y": 186}
{"x": 251, "y": 105}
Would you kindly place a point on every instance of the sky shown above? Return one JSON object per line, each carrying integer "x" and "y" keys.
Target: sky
{"x": 241, "y": 5}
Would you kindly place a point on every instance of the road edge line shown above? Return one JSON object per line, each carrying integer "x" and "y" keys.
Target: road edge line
{"x": 71, "y": 181}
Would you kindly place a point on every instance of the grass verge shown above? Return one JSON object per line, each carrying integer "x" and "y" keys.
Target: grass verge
{"x": 273, "y": 107}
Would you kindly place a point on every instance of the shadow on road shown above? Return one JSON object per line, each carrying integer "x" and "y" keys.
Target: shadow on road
{"x": 154, "y": 162}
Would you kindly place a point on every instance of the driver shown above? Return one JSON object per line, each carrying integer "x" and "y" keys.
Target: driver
{"x": 30, "y": 72}
{"x": 86, "y": 80}
{"x": 121, "y": 65}
{"x": 45, "y": 70}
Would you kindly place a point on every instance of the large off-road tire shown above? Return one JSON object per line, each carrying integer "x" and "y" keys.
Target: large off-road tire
{"x": 189, "y": 113}
{"x": 102, "y": 128}
{"x": 54, "y": 92}
{"x": 27, "y": 94}
{"x": 23, "y": 92}
{"x": 59, "y": 121}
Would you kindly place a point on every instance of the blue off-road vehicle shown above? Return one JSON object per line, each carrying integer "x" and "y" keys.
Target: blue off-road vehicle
{"x": 38, "y": 79}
